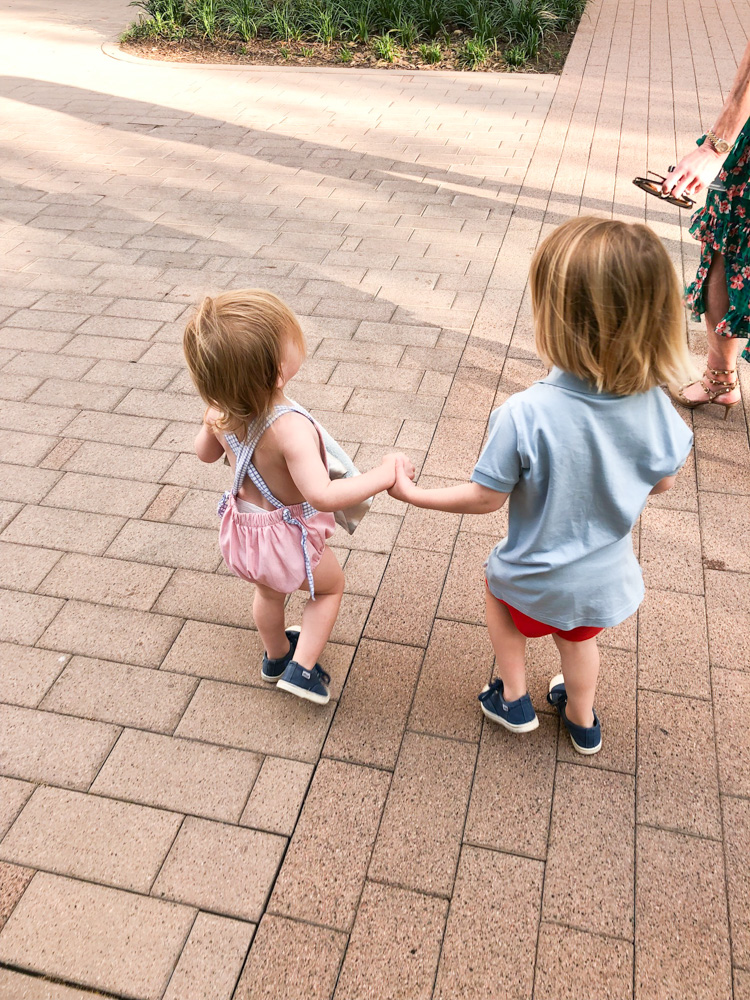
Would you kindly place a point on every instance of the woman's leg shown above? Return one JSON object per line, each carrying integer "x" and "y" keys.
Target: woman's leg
{"x": 319, "y": 615}
{"x": 509, "y": 646}
{"x": 268, "y": 612}
{"x": 722, "y": 351}
{"x": 580, "y": 668}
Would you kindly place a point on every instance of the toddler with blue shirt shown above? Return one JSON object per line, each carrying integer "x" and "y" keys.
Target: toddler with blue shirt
{"x": 578, "y": 454}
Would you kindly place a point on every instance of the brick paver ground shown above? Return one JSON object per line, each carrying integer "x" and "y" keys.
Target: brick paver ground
{"x": 170, "y": 828}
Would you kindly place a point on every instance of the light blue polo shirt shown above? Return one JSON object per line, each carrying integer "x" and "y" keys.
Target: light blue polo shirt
{"x": 579, "y": 466}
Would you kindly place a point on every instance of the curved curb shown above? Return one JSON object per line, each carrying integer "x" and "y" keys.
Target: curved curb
{"x": 112, "y": 50}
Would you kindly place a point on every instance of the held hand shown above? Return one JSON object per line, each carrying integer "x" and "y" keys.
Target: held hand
{"x": 403, "y": 487}
{"x": 694, "y": 172}
{"x": 391, "y": 462}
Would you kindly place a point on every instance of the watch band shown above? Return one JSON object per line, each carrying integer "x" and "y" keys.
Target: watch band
{"x": 716, "y": 143}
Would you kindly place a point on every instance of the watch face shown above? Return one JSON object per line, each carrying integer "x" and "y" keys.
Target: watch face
{"x": 722, "y": 146}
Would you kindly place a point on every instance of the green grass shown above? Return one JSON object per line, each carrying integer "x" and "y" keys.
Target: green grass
{"x": 519, "y": 26}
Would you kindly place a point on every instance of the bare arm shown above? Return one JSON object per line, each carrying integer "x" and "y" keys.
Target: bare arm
{"x": 468, "y": 498}
{"x": 207, "y": 446}
{"x": 699, "y": 167}
{"x": 663, "y": 485}
{"x": 306, "y": 468}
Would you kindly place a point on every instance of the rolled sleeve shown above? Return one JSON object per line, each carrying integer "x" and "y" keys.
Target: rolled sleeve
{"x": 499, "y": 465}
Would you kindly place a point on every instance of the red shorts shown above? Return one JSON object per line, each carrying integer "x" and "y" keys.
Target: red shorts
{"x": 533, "y": 629}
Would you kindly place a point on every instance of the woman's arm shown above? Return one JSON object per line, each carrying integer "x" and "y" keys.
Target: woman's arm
{"x": 468, "y": 498}
{"x": 696, "y": 170}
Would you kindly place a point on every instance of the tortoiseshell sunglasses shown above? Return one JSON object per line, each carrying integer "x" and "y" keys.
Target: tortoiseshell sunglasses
{"x": 654, "y": 188}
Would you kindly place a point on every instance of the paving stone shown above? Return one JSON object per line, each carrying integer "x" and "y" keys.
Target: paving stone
{"x": 681, "y": 932}
{"x": 211, "y": 960}
{"x": 24, "y": 617}
{"x": 13, "y": 795}
{"x": 405, "y": 606}
{"x": 96, "y": 936}
{"x": 60, "y": 454}
{"x": 496, "y": 899}
{"x": 98, "y": 458}
{"x": 24, "y": 449}
{"x": 181, "y": 775}
{"x": 101, "y": 495}
{"x": 731, "y": 705}
{"x": 677, "y": 780}
{"x": 463, "y": 594}
{"x": 511, "y": 795}
{"x": 430, "y": 529}
{"x": 277, "y": 796}
{"x": 727, "y": 604}
{"x": 26, "y": 673}
{"x": 225, "y": 600}
{"x": 166, "y": 502}
{"x": 289, "y": 960}
{"x": 673, "y": 644}
{"x": 589, "y": 882}
{"x": 127, "y": 374}
{"x": 124, "y": 695}
{"x": 116, "y": 428}
{"x": 7, "y": 512}
{"x": 16, "y": 986}
{"x": 741, "y": 984}
{"x": 204, "y": 851}
{"x": 394, "y": 946}
{"x": 13, "y": 882}
{"x": 567, "y": 958}
{"x": 167, "y": 545}
{"x": 364, "y": 571}
{"x": 88, "y": 837}
{"x": 28, "y": 416}
{"x": 671, "y": 551}
{"x": 197, "y": 509}
{"x": 339, "y": 820}
{"x": 77, "y": 395}
{"x": 253, "y": 719}
{"x": 714, "y": 451}
{"x": 24, "y": 567}
{"x": 455, "y": 447}
{"x": 106, "y": 581}
{"x": 725, "y": 535}
{"x": 55, "y": 749}
{"x": 26, "y": 485}
{"x": 737, "y": 834}
{"x": 63, "y": 529}
{"x": 420, "y": 835}
{"x": 106, "y": 633}
{"x": 359, "y": 735}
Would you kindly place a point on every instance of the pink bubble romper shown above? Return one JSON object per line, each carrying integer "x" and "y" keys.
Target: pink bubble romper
{"x": 279, "y": 548}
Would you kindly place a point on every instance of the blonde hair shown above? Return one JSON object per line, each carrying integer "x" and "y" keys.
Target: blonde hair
{"x": 607, "y": 306}
{"x": 234, "y": 347}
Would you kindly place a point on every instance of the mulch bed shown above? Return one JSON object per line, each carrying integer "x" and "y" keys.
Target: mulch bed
{"x": 264, "y": 52}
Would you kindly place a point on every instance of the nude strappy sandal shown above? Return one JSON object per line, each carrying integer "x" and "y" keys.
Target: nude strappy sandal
{"x": 712, "y": 395}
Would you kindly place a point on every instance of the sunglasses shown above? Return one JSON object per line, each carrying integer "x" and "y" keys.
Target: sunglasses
{"x": 654, "y": 187}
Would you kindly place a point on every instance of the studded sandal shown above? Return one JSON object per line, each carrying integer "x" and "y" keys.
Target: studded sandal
{"x": 712, "y": 395}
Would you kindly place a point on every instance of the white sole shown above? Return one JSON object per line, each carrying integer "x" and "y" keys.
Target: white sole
{"x": 275, "y": 680}
{"x": 524, "y": 727}
{"x": 586, "y": 752}
{"x": 317, "y": 699}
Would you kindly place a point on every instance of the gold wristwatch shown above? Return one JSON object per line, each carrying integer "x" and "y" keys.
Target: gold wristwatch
{"x": 718, "y": 145}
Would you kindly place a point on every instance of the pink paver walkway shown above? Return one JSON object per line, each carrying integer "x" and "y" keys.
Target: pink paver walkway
{"x": 168, "y": 827}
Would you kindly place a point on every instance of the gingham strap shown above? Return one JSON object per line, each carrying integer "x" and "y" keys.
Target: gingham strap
{"x": 244, "y": 467}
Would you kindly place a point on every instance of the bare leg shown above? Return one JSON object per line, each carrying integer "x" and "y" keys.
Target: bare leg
{"x": 580, "y": 668}
{"x": 268, "y": 612}
{"x": 722, "y": 351}
{"x": 319, "y": 615}
{"x": 509, "y": 646}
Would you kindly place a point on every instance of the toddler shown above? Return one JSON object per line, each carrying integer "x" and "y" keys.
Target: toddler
{"x": 242, "y": 348}
{"x": 578, "y": 453}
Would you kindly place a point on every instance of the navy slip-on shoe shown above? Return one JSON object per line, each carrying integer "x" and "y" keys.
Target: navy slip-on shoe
{"x": 585, "y": 739}
{"x": 518, "y": 716}
{"x": 308, "y": 684}
{"x": 271, "y": 670}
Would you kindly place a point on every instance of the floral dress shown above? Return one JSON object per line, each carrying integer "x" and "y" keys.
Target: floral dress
{"x": 723, "y": 226}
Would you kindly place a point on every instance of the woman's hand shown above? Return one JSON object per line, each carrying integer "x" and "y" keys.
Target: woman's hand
{"x": 694, "y": 172}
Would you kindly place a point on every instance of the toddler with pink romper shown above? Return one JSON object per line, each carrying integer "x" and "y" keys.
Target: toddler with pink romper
{"x": 242, "y": 348}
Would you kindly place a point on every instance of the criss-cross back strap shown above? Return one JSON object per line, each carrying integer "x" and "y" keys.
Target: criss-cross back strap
{"x": 244, "y": 467}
